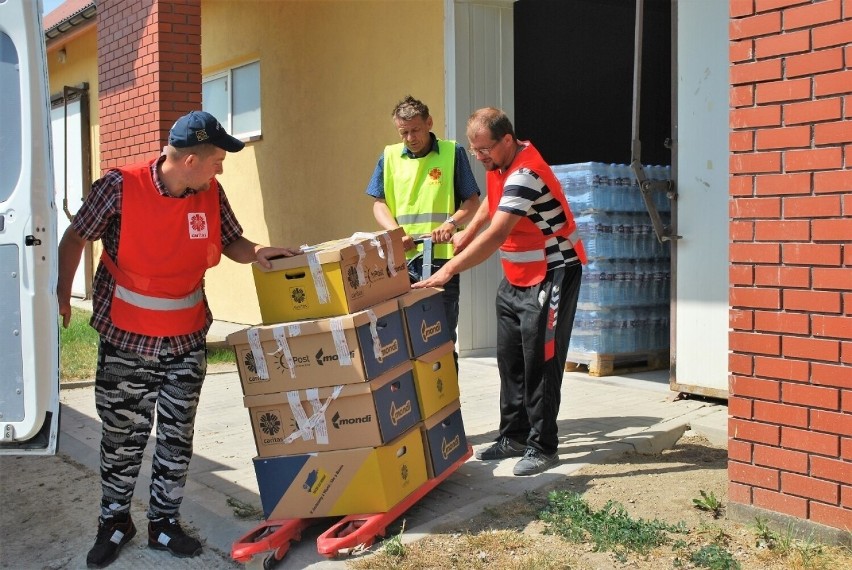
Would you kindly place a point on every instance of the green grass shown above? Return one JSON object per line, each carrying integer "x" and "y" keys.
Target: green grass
{"x": 568, "y": 515}
{"x": 78, "y": 349}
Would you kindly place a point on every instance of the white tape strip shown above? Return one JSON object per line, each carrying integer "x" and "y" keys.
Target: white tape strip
{"x": 284, "y": 347}
{"x": 359, "y": 268}
{"x": 304, "y": 431}
{"x": 257, "y": 353}
{"x": 318, "y": 418}
{"x": 389, "y": 249}
{"x": 340, "y": 344}
{"x": 374, "y": 333}
{"x": 319, "y": 278}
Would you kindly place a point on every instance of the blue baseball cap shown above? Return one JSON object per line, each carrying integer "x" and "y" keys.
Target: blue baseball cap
{"x": 200, "y": 127}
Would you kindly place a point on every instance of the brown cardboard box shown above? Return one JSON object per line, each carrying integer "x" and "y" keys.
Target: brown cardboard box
{"x": 444, "y": 440}
{"x": 323, "y": 352}
{"x": 333, "y": 278}
{"x": 335, "y": 483}
{"x": 436, "y": 379}
{"x": 340, "y": 417}
{"x": 425, "y": 320}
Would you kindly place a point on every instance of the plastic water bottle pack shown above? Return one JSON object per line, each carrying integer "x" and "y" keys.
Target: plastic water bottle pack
{"x": 624, "y": 295}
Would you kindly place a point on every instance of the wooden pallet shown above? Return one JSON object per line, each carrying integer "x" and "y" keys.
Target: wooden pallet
{"x": 609, "y": 364}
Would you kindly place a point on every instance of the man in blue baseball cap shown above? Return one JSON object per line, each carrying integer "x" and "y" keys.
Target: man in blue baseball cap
{"x": 200, "y": 127}
{"x": 162, "y": 223}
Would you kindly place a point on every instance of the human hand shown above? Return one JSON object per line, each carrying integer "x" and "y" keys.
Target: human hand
{"x": 408, "y": 242}
{"x": 65, "y": 312}
{"x": 438, "y": 279}
{"x": 461, "y": 240}
{"x": 443, "y": 233}
{"x": 264, "y": 254}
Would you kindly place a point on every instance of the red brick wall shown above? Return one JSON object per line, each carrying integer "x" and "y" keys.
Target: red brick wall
{"x": 149, "y": 73}
{"x": 790, "y": 407}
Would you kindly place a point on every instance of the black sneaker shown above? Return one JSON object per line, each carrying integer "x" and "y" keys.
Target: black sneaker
{"x": 113, "y": 533}
{"x": 167, "y": 534}
{"x": 535, "y": 462}
{"x": 501, "y": 449}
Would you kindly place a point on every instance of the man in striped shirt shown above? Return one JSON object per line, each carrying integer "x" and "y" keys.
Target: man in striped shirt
{"x": 529, "y": 221}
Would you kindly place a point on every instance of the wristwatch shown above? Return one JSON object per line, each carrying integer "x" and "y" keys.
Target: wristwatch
{"x": 452, "y": 221}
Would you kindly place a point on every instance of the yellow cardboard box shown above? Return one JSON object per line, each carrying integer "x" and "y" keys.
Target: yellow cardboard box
{"x": 436, "y": 379}
{"x": 347, "y": 482}
{"x": 333, "y": 278}
{"x": 323, "y": 352}
{"x": 339, "y": 417}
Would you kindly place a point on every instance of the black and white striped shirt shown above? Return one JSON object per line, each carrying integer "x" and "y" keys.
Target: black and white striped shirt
{"x": 526, "y": 194}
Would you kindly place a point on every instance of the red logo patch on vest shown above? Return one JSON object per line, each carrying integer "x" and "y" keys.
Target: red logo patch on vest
{"x": 198, "y": 228}
{"x": 435, "y": 174}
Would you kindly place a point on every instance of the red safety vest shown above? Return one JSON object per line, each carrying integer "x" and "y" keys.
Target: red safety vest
{"x": 166, "y": 246}
{"x": 522, "y": 254}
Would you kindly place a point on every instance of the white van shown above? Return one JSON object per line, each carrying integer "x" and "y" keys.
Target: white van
{"x": 29, "y": 330}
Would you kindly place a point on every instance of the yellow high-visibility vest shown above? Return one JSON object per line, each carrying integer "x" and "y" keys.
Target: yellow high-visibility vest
{"x": 419, "y": 191}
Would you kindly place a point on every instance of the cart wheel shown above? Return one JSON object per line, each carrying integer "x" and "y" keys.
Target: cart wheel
{"x": 267, "y": 562}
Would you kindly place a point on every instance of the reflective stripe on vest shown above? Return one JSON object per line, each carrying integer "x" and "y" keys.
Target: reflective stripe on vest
{"x": 158, "y": 303}
{"x": 523, "y": 256}
{"x": 428, "y": 218}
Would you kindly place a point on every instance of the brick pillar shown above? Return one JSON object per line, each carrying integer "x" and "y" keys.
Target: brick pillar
{"x": 149, "y": 73}
{"x": 790, "y": 406}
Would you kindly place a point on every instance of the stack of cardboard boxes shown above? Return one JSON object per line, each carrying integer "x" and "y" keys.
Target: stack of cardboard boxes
{"x": 350, "y": 382}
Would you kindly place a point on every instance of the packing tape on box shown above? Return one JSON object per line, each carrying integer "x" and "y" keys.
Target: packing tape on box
{"x": 389, "y": 248}
{"x": 320, "y": 427}
{"x": 359, "y": 268}
{"x": 301, "y": 418}
{"x": 374, "y": 241}
{"x": 257, "y": 353}
{"x": 340, "y": 344}
{"x": 374, "y": 332}
{"x": 307, "y": 426}
{"x": 284, "y": 346}
{"x": 319, "y": 278}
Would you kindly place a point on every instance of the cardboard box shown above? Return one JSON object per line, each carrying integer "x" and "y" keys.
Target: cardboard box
{"x": 323, "y": 352}
{"x": 336, "y": 483}
{"x": 425, "y": 320}
{"x": 333, "y": 278}
{"x": 444, "y": 440}
{"x": 340, "y": 417}
{"x": 436, "y": 379}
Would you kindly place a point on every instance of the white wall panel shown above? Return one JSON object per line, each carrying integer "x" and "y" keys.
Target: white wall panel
{"x": 700, "y": 259}
{"x": 479, "y": 74}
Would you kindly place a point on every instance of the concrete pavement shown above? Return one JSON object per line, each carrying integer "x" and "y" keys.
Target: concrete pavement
{"x": 598, "y": 417}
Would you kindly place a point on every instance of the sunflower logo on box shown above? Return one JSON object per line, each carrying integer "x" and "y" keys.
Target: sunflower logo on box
{"x": 298, "y": 295}
{"x": 269, "y": 423}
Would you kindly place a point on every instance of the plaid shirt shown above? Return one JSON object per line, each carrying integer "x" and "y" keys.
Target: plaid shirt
{"x": 100, "y": 218}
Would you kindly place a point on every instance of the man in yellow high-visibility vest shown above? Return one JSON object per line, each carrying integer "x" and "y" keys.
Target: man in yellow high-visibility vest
{"x": 425, "y": 185}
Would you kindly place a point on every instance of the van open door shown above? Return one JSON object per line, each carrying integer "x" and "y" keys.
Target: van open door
{"x": 29, "y": 331}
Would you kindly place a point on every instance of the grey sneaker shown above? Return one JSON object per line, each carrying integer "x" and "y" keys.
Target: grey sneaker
{"x": 535, "y": 462}
{"x": 501, "y": 449}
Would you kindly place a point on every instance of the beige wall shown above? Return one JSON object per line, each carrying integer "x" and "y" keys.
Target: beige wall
{"x": 80, "y": 66}
{"x": 331, "y": 71}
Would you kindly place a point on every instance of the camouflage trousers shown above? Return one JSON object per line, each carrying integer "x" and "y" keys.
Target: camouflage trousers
{"x": 129, "y": 388}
